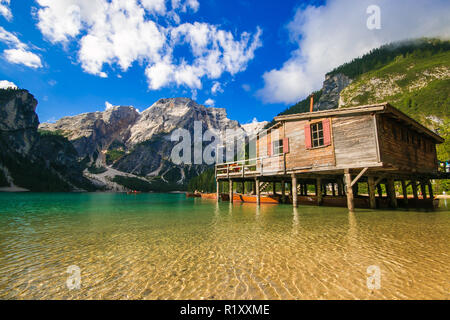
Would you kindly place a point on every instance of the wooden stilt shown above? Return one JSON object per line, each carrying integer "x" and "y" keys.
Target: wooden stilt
{"x": 348, "y": 183}
{"x": 423, "y": 190}
{"x": 340, "y": 189}
{"x": 230, "y": 185}
{"x": 258, "y": 192}
{"x": 333, "y": 189}
{"x": 217, "y": 190}
{"x": 405, "y": 192}
{"x": 243, "y": 187}
{"x": 319, "y": 191}
{"x": 274, "y": 188}
{"x": 294, "y": 191}
{"x": 390, "y": 187}
{"x": 380, "y": 191}
{"x": 372, "y": 200}
{"x": 430, "y": 190}
{"x": 414, "y": 188}
{"x": 283, "y": 191}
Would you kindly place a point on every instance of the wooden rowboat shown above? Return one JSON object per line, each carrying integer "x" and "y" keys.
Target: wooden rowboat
{"x": 250, "y": 198}
{"x": 210, "y": 196}
{"x": 193, "y": 195}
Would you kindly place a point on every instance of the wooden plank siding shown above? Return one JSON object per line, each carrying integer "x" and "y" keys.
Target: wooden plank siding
{"x": 355, "y": 141}
{"x": 404, "y": 148}
{"x": 299, "y": 157}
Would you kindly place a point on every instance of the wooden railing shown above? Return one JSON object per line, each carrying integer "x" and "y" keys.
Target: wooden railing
{"x": 251, "y": 167}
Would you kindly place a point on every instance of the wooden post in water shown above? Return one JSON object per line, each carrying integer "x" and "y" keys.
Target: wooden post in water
{"x": 243, "y": 187}
{"x": 230, "y": 184}
{"x": 405, "y": 192}
{"x": 294, "y": 191}
{"x": 333, "y": 189}
{"x": 217, "y": 190}
{"x": 319, "y": 191}
{"x": 348, "y": 184}
{"x": 274, "y": 188}
{"x": 258, "y": 192}
{"x": 390, "y": 187}
{"x": 372, "y": 200}
{"x": 283, "y": 191}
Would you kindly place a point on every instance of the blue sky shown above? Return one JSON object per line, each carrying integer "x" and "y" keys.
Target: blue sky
{"x": 254, "y": 58}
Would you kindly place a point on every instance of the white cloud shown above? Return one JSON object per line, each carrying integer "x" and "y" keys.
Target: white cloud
{"x": 216, "y": 88}
{"x": 120, "y": 33}
{"x": 246, "y": 87}
{"x": 4, "y": 9}
{"x": 337, "y": 32}
{"x": 210, "y": 103}
{"x": 21, "y": 56}
{"x": 5, "y": 84}
{"x": 18, "y": 52}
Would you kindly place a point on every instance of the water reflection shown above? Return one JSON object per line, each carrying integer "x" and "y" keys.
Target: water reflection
{"x": 295, "y": 221}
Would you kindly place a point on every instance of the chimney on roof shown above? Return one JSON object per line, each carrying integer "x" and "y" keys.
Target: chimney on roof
{"x": 311, "y": 106}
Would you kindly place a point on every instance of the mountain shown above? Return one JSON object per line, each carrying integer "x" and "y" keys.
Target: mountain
{"x": 32, "y": 160}
{"x": 122, "y": 147}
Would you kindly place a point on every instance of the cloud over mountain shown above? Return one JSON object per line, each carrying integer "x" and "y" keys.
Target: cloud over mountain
{"x": 336, "y": 32}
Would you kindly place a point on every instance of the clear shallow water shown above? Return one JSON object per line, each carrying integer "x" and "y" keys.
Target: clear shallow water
{"x": 163, "y": 246}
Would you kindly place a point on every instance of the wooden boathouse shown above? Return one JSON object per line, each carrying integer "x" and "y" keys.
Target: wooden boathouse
{"x": 327, "y": 157}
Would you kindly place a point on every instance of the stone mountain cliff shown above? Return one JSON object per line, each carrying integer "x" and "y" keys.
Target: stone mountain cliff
{"x": 136, "y": 143}
{"x": 28, "y": 159}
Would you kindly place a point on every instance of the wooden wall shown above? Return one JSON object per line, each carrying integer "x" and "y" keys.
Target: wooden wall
{"x": 355, "y": 141}
{"x": 405, "y": 148}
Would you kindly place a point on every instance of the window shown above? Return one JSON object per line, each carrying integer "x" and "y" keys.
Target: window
{"x": 278, "y": 147}
{"x": 317, "y": 139}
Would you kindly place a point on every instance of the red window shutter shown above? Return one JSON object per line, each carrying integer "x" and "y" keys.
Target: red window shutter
{"x": 308, "y": 136}
{"x": 286, "y": 145}
{"x": 269, "y": 145}
{"x": 326, "y": 132}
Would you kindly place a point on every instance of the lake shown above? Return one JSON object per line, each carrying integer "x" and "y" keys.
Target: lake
{"x": 164, "y": 246}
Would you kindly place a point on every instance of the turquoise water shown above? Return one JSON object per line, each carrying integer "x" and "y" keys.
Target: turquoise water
{"x": 164, "y": 246}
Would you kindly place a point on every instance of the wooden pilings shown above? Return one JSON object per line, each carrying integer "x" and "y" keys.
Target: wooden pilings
{"x": 348, "y": 184}
{"x": 414, "y": 188}
{"x": 319, "y": 191}
{"x": 423, "y": 190}
{"x": 258, "y": 192}
{"x": 430, "y": 190}
{"x": 294, "y": 191}
{"x": 230, "y": 190}
{"x": 390, "y": 188}
{"x": 405, "y": 192}
{"x": 217, "y": 190}
{"x": 372, "y": 200}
